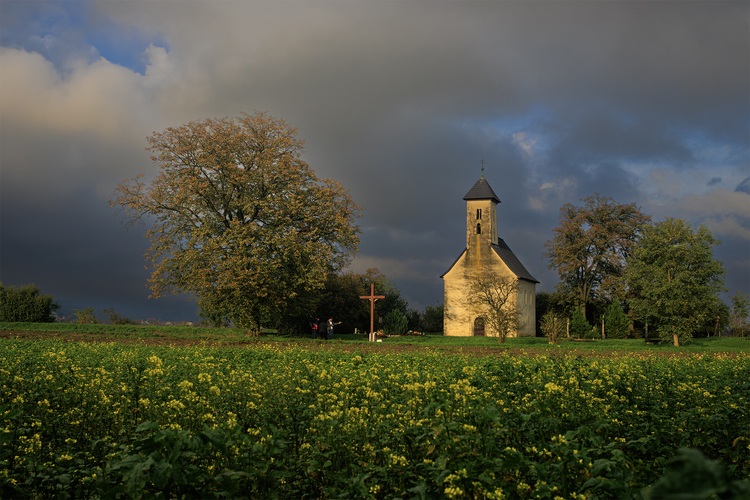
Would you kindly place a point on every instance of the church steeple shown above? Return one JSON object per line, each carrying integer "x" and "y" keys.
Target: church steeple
{"x": 481, "y": 215}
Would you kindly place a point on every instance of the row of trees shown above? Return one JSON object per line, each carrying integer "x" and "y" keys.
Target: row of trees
{"x": 339, "y": 299}
{"x": 610, "y": 255}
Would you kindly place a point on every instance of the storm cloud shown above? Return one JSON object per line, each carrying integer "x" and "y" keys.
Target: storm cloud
{"x": 645, "y": 102}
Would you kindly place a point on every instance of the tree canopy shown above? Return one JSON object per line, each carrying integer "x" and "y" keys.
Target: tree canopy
{"x": 674, "y": 278}
{"x": 239, "y": 219}
{"x": 590, "y": 247}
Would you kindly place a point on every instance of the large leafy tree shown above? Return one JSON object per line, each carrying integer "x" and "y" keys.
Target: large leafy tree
{"x": 674, "y": 278}
{"x": 591, "y": 245}
{"x": 239, "y": 219}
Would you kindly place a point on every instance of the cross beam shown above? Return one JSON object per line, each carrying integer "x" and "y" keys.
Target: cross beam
{"x": 372, "y": 297}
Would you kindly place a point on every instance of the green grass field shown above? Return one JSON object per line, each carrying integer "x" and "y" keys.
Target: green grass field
{"x": 533, "y": 344}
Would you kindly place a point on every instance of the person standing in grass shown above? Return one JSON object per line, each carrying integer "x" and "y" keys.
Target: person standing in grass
{"x": 330, "y": 327}
{"x": 314, "y": 324}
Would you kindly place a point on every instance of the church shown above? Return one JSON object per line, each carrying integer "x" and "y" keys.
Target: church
{"x": 485, "y": 252}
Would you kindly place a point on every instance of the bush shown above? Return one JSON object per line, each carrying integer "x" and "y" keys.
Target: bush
{"x": 738, "y": 324}
{"x": 85, "y": 316}
{"x": 433, "y": 318}
{"x": 552, "y": 327}
{"x": 593, "y": 334}
{"x": 414, "y": 319}
{"x": 26, "y": 304}
{"x": 395, "y": 323}
{"x": 579, "y": 327}
{"x": 118, "y": 319}
{"x": 692, "y": 475}
{"x": 616, "y": 323}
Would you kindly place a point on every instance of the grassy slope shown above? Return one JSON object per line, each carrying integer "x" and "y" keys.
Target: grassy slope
{"x": 698, "y": 346}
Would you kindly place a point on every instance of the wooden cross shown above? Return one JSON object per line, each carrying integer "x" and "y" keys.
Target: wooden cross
{"x": 372, "y": 298}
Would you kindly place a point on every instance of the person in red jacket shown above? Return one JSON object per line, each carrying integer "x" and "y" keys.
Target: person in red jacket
{"x": 314, "y": 324}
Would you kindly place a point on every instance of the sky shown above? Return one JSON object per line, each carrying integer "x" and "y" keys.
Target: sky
{"x": 646, "y": 102}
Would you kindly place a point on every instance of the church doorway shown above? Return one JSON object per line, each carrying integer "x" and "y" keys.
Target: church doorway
{"x": 479, "y": 327}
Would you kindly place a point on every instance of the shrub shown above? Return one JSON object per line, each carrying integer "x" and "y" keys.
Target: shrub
{"x": 616, "y": 323}
{"x": 415, "y": 319}
{"x": 395, "y": 323}
{"x": 26, "y": 304}
{"x": 552, "y": 327}
{"x": 85, "y": 316}
{"x": 579, "y": 327}
{"x": 692, "y": 475}
{"x": 433, "y": 318}
{"x": 593, "y": 334}
{"x": 118, "y": 319}
{"x": 739, "y": 325}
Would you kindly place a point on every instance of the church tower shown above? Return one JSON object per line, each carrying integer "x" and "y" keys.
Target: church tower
{"x": 485, "y": 252}
{"x": 481, "y": 216}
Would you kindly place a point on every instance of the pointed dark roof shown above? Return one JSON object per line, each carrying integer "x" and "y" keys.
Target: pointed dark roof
{"x": 482, "y": 191}
{"x": 504, "y": 252}
{"x": 508, "y": 257}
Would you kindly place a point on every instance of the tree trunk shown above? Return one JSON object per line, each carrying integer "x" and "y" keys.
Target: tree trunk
{"x": 676, "y": 340}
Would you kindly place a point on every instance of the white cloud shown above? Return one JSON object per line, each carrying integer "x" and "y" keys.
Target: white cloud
{"x": 98, "y": 99}
{"x": 159, "y": 67}
{"x": 728, "y": 226}
{"x": 724, "y": 212}
{"x": 527, "y": 144}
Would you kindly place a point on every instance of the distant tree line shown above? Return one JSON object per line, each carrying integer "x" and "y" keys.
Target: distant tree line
{"x": 339, "y": 299}
{"x": 621, "y": 275}
{"x": 26, "y": 304}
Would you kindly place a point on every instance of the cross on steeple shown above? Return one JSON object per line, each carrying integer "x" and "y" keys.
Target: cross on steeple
{"x": 482, "y": 162}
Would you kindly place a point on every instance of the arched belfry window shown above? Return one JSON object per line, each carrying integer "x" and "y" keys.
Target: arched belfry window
{"x": 479, "y": 228}
{"x": 479, "y": 327}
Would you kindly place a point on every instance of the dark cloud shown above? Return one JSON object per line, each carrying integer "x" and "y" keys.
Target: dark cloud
{"x": 744, "y": 186}
{"x": 645, "y": 102}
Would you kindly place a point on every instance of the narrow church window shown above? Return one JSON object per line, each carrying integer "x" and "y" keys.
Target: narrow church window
{"x": 479, "y": 229}
{"x": 479, "y": 213}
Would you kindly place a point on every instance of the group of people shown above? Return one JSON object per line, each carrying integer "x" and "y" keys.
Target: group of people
{"x": 316, "y": 324}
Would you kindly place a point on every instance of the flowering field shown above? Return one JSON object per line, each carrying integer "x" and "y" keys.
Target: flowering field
{"x": 110, "y": 420}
